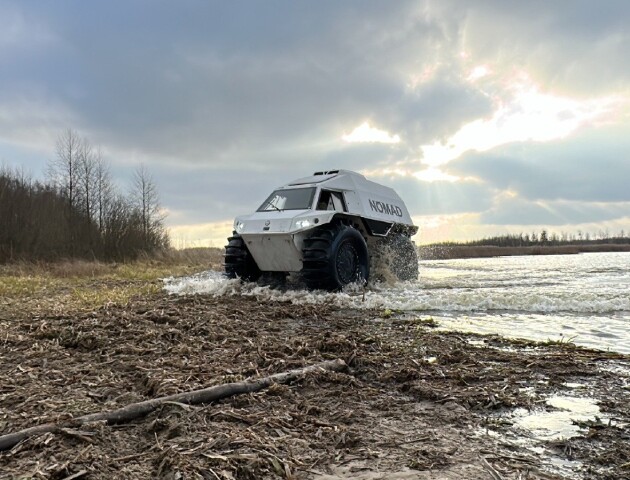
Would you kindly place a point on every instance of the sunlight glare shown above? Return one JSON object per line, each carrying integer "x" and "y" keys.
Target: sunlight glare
{"x": 529, "y": 116}
{"x": 433, "y": 174}
{"x": 478, "y": 72}
{"x": 365, "y": 133}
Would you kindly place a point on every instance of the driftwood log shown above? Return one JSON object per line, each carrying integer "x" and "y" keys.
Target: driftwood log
{"x": 140, "y": 409}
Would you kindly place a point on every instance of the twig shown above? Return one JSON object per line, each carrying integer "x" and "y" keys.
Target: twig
{"x": 490, "y": 469}
{"x": 76, "y": 475}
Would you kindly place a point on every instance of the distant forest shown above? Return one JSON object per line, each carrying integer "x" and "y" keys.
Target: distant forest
{"x": 545, "y": 239}
{"x": 78, "y": 212}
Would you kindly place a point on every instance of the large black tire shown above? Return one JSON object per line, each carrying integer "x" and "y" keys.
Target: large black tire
{"x": 404, "y": 257}
{"x": 239, "y": 263}
{"x": 335, "y": 255}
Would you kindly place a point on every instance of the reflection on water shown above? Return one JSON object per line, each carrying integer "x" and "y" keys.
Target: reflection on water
{"x": 557, "y": 423}
{"x": 580, "y": 298}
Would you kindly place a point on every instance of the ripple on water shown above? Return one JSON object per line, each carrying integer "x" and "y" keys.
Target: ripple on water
{"x": 578, "y": 298}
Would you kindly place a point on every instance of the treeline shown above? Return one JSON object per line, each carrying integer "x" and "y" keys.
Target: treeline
{"x": 78, "y": 212}
{"x": 546, "y": 238}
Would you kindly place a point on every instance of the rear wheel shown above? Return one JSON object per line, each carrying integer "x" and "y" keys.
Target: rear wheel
{"x": 334, "y": 256}
{"x": 239, "y": 263}
{"x": 404, "y": 260}
{"x": 395, "y": 258}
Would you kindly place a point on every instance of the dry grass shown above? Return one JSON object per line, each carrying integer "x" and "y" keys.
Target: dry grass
{"x": 160, "y": 264}
{"x": 89, "y": 284}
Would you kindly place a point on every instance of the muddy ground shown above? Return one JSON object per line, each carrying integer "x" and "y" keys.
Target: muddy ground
{"x": 412, "y": 404}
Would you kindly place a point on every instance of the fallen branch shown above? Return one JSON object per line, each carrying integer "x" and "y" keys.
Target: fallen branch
{"x": 141, "y": 409}
{"x": 490, "y": 469}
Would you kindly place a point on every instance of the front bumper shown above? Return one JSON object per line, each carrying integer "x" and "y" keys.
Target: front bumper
{"x": 274, "y": 252}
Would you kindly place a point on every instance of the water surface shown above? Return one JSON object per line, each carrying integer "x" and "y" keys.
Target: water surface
{"x": 581, "y": 298}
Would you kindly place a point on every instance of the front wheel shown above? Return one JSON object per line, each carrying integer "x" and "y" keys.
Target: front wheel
{"x": 239, "y": 263}
{"x": 334, "y": 256}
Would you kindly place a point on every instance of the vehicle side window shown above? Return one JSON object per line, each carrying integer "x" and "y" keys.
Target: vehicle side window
{"x": 331, "y": 201}
{"x": 338, "y": 202}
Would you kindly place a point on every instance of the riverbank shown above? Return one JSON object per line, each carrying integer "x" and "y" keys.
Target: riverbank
{"x": 447, "y": 252}
{"x": 412, "y": 404}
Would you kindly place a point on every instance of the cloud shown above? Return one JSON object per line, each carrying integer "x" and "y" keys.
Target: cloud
{"x": 434, "y": 106}
{"x": 21, "y": 35}
{"x": 225, "y": 100}
{"x": 576, "y": 47}
{"x": 517, "y": 211}
{"x": 365, "y": 133}
{"x": 194, "y": 83}
{"x": 592, "y": 166}
{"x": 440, "y": 197}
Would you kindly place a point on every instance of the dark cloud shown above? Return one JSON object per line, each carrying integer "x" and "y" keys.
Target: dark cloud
{"x": 437, "y": 108}
{"x": 225, "y": 100}
{"x": 518, "y": 211}
{"x": 592, "y": 165}
{"x": 193, "y": 81}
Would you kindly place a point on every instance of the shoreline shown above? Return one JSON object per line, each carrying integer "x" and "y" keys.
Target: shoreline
{"x": 447, "y": 252}
{"x": 213, "y": 257}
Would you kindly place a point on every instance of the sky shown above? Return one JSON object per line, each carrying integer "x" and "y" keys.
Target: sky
{"x": 487, "y": 116}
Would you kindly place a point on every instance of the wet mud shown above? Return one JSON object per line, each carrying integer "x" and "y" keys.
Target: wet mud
{"x": 412, "y": 404}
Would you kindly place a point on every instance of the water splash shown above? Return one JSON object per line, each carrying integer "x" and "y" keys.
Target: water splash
{"x": 581, "y": 298}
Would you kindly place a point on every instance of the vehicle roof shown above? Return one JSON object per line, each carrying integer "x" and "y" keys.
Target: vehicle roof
{"x": 323, "y": 176}
{"x": 371, "y": 200}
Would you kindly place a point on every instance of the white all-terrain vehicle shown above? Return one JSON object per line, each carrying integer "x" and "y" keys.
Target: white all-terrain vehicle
{"x": 331, "y": 227}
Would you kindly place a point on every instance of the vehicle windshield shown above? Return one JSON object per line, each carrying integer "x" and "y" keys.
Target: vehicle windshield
{"x": 292, "y": 199}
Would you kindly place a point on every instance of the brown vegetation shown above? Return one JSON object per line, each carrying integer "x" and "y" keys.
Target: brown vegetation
{"x": 443, "y": 252}
{"x": 78, "y": 212}
{"x": 413, "y": 402}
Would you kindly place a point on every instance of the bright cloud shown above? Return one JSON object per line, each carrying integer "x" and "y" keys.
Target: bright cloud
{"x": 200, "y": 235}
{"x": 365, "y": 133}
{"x": 433, "y": 174}
{"x": 440, "y": 228}
{"x": 478, "y": 72}
{"x": 529, "y": 115}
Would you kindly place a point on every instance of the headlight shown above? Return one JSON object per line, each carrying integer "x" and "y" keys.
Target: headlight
{"x": 238, "y": 226}
{"x": 302, "y": 224}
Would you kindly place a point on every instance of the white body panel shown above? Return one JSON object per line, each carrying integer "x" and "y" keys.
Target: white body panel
{"x": 274, "y": 236}
{"x": 276, "y": 252}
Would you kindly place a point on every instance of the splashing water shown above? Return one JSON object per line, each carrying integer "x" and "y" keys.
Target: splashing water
{"x": 583, "y": 298}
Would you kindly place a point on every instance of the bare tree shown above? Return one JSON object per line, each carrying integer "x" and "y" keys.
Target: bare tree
{"x": 64, "y": 174}
{"x": 147, "y": 204}
{"x": 63, "y": 170}
{"x": 104, "y": 189}
{"x": 86, "y": 178}
{"x": 78, "y": 213}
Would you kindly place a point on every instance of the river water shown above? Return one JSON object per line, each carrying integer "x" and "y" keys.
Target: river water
{"x": 582, "y": 298}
